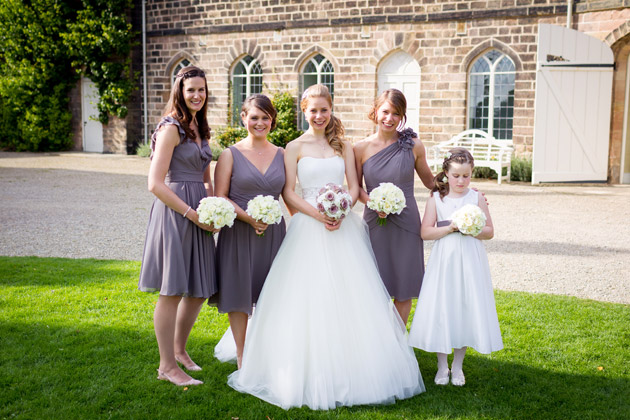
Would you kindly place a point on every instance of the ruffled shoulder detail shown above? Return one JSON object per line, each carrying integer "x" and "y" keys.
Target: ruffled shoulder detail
{"x": 168, "y": 120}
{"x": 405, "y": 138}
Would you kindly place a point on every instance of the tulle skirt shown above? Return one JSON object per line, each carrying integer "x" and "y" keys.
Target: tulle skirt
{"x": 325, "y": 332}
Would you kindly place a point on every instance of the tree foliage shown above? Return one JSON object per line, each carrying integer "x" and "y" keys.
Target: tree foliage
{"x": 44, "y": 46}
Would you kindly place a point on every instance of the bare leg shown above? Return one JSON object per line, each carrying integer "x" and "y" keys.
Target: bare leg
{"x": 238, "y": 323}
{"x": 457, "y": 377}
{"x": 441, "y": 377}
{"x": 164, "y": 319}
{"x": 404, "y": 308}
{"x": 187, "y": 313}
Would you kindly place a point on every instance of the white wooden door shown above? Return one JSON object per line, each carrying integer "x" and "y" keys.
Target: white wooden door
{"x": 400, "y": 71}
{"x": 572, "y": 106}
{"x": 92, "y": 127}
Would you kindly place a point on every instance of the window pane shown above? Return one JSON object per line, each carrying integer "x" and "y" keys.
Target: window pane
{"x": 505, "y": 65}
{"x": 178, "y": 67}
{"x": 239, "y": 94}
{"x": 480, "y": 66}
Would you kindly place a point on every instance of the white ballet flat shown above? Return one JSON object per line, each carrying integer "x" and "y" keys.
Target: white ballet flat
{"x": 459, "y": 379}
{"x": 442, "y": 379}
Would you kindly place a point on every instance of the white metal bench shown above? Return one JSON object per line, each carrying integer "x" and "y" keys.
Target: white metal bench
{"x": 487, "y": 151}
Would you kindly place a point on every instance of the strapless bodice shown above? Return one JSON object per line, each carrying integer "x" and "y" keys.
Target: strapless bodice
{"x": 314, "y": 173}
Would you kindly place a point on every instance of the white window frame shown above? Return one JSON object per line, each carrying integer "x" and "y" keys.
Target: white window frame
{"x": 250, "y": 87}
{"x": 492, "y": 73}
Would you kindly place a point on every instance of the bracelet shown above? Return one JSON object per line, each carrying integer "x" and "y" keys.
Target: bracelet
{"x": 186, "y": 212}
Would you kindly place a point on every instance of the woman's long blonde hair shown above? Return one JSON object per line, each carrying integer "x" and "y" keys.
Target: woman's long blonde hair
{"x": 334, "y": 130}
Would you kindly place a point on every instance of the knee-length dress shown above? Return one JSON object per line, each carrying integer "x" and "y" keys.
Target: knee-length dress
{"x": 397, "y": 245}
{"x": 178, "y": 257}
{"x": 243, "y": 257}
{"x": 456, "y": 305}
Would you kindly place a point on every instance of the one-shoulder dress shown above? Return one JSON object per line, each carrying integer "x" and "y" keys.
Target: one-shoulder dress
{"x": 243, "y": 257}
{"x": 178, "y": 257}
{"x": 397, "y": 245}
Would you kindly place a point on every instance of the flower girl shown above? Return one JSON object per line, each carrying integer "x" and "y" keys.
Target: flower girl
{"x": 456, "y": 306}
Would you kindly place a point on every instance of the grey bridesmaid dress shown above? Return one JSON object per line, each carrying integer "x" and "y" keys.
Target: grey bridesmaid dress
{"x": 244, "y": 258}
{"x": 178, "y": 257}
{"x": 397, "y": 245}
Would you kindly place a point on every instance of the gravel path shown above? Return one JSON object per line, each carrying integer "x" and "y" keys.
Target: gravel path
{"x": 564, "y": 239}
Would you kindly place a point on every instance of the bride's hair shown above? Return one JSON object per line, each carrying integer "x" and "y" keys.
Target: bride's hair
{"x": 456, "y": 155}
{"x": 334, "y": 130}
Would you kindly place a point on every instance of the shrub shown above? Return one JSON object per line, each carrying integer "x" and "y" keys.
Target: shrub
{"x": 44, "y": 46}
{"x": 229, "y": 135}
{"x": 521, "y": 169}
{"x": 216, "y": 150}
{"x": 143, "y": 150}
{"x": 286, "y": 126}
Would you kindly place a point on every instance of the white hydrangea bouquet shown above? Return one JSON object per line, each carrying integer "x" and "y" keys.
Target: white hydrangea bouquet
{"x": 266, "y": 209}
{"x": 216, "y": 211}
{"x": 387, "y": 198}
{"x": 470, "y": 219}
{"x": 334, "y": 201}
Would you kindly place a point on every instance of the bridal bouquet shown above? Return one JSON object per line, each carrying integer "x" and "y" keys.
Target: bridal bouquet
{"x": 216, "y": 211}
{"x": 265, "y": 209}
{"x": 387, "y": 198}
{"x": 470, "y": 219}
{"x": 334, "y": 201}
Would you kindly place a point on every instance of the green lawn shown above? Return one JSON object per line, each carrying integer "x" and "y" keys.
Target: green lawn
{"x": 77, "y": 342}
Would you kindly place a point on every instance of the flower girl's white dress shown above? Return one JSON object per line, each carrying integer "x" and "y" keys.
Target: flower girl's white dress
{"x": 456, "y": 303}
{"x": 325, "y": 332}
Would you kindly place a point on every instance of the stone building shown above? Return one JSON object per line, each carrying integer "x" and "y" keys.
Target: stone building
{"x": 462, "y": 64}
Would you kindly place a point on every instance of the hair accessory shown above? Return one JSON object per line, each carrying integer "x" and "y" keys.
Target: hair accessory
{"x": 448, "y": 155}
{"x": 445, "y": 179}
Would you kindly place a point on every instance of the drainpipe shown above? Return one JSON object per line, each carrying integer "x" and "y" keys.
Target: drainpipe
{"x": 144, "y": 70}
{"x": 569, "y": 14}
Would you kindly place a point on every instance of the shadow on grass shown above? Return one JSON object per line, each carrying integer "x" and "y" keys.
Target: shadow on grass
{"x": 95, "y": 371}
{"x": 88, "y": 350}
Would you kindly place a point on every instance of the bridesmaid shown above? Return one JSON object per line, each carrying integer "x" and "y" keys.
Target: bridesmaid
{"x": 392, "y": 156}
{"x": 178, "y": 258}
{"x": 251, "y": 167}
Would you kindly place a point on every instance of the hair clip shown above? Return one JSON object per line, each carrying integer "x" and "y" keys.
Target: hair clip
{"x": 445, "y": 179}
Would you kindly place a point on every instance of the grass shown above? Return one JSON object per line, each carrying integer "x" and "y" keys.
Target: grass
{"x": 77, "y": 342}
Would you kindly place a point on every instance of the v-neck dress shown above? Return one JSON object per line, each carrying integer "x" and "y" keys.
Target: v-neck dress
{"x": 243, "y": 257}
{"x": 397, "y": 245}
{"x": 178, "y": 257}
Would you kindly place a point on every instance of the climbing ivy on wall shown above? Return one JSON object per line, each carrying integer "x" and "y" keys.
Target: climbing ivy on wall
{"x": 45, "y": 45}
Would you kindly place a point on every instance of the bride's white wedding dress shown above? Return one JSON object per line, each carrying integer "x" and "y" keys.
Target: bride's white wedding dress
{"x": 325, "y": 332}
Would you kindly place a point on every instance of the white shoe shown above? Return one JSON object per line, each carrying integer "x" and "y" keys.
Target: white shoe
{"x": 458, "y": 378}
{"x": 441, "y": 377}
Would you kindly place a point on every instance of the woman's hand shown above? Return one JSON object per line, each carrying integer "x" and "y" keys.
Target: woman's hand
{"x": 453, "y": 227}
{"x": 258, "y": 226}
{"x": 194, "y": 217}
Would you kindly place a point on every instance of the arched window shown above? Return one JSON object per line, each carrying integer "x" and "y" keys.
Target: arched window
{"x": 318, "y": 69}
{"x": 246, "y": 81}
{"x": 491, "y": 95}
{"x": 178, "y": 67}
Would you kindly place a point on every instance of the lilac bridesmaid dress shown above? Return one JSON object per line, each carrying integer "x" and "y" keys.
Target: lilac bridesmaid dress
{"x": 244, "y": 258}
{"x": 397, "y": 245}
{"x": 178, "y": 257}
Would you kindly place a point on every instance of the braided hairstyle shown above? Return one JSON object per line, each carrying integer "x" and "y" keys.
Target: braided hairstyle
{"x": 334, "y": 130}
{"x": 455, "y": 155}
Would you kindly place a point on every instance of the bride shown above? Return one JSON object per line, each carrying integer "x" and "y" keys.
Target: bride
{"x": 325, "y": 332}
